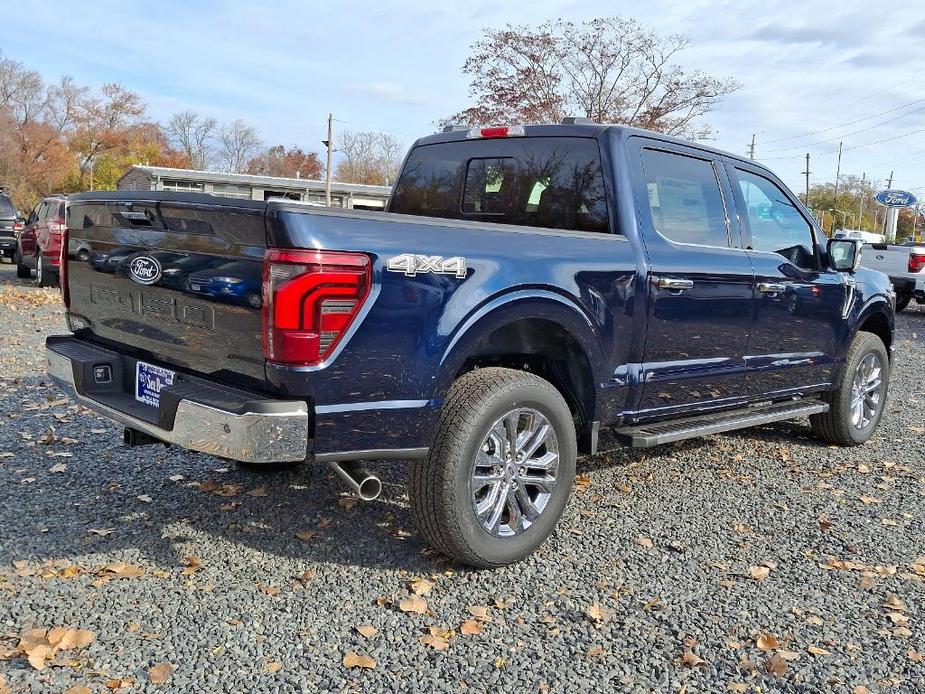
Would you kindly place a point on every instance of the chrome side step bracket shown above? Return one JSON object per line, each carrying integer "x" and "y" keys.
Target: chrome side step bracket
{"x": 657, "y": 433}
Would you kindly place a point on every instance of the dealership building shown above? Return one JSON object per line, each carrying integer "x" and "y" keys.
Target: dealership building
{"x": 249, "y": 187}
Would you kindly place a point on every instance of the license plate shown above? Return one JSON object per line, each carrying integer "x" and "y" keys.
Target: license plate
{"x": 149, "y": 379}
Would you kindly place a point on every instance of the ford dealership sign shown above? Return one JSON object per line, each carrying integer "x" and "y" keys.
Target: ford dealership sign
{"x": 896, "y": 198}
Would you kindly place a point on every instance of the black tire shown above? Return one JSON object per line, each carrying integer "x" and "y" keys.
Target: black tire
{"x": 439, "y": 485}
{"x": 43, "y": 276}
{"x": 836, "y": 426}
{"x": 22, "y": 271}
{"x": 902, "y": 302}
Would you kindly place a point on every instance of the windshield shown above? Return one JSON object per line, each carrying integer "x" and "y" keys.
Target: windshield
{"x": 7, "y": 211}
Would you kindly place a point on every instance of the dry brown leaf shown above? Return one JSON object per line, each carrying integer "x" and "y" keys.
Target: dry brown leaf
{"x": 480, "y": 612}
{"x": 438, "y": 643}
{"x": 58, "y": 467}
{"x": 766, "y": 642}
{"x": 120, "y": 569}
{"x": 37, "y": 656}
{"x": 420, "y": 586}
{"x": 367, "y": 630}
{"x": 193, "y": 564}
{"x": 595, "y": 612}
{"x": 470, "y": 627}
{"x": 306, "y": 535}
{"x": 645, "y": 542}
{"x": 353, "y": 660}
{"x": 895, "y": 604}
{"x": 776, "y": 665}
{"x": 789, "y": 655}
{"x": 737, "y": 687}
{"x": 160, "y": 673}
{"x": 759, "y": 573}
{"x": 413, "y": 603}
{"x": 257, "y": 493}
{"x": 274, "y": 667}
{"x": 868, "y": 499}
{"x": 144, "y": 498}
{"x": 860, "y": 689}
{"x": 815, "y": 650}
{"x": 594, "y": 652}
{"x": 347, "y": 502}
{"x": 916, "y": 657}
{"x": 76, "y": 689}
{"x": 691, "y": 659}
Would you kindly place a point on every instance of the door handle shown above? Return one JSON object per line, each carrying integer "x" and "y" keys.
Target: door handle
{"x": 771, "y": 288}
{"x": 674, "y": 284}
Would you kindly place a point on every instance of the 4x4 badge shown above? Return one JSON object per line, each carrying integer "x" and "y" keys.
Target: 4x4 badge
{"x": 411, "y": 264}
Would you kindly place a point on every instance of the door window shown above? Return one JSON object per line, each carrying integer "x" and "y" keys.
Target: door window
{"x": 776, "y": 224}
{"x": 685, "y": 198}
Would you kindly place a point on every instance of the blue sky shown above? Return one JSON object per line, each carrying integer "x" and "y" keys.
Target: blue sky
{"x": 395, "y": 66}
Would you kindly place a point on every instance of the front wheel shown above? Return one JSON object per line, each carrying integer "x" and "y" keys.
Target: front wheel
{"x": 500, "y": 471}
{"x": 856, "y": 405}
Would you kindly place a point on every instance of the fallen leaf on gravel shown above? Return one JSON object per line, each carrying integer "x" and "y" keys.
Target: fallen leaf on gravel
{"x": 144, "y": 498}
{"x": 470, "y": 627}
{"x": 347, "y": 502}
{"x": 776, "y": 665}
{"x": 501, "y": 605}
{"x": 117, "y": 683}
{"x": 27, "y": 480}
{"x": 58, "y": 467}
{"x": 904, "y": 632}
{"x": 193, "y": 564}
{"x": 582, "y": 482}
{"x": 894, "y": 603}
{"x": 420, "y": 586}
{"x": 898, "y": 619}
{"x": 367, "y": 630}
{"x": 158, "y": 674}
{"x": 759, "y": 573}
{"x": 175, "y": 478}
{"x": 737, "y": 687}
{"x": 595, "y": 612}
{"x": 306, "y": 535}
{"x": 270, "y": 590}
{"x": 324, "y": 523}
{"x": 825, "y": 524}
{"x": 120, "y": 569}
{"x": 413, "y": 603}
{"x": 233, "y": 506}
{"x": 480, "y": 612}
{"x": 102, "y": 532}
{"x": 815, "y": 650}
{"x": 274, "y": 667}
{"x": 594, "y": 652}
{"x": 645, "y": 542}
{"x": 692, "y": 660}
{"x": 258, "y": 492}
{"x": 915, "y": 656}
{"x": 37, "y": 656}
{"x": 438, "y": 643}
{"x": 860, "y": 689}
{"x": 76, "y": 689}
{"x": 766, "y": 642}
{"x": 353, "y": 659}
{"x": 789, "y": 655}
{"x": 888, "y": 521}
{"x": 868, "y": 499}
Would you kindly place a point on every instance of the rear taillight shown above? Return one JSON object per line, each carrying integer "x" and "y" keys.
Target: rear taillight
{"x": 310, "y": 299}
{"x": 916, "y": 262}
{"x": 18, "y": 226}
{"x": 62, "y": 269}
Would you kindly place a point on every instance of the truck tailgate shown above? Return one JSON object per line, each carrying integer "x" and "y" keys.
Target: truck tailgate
{"x": 175, "y": 280}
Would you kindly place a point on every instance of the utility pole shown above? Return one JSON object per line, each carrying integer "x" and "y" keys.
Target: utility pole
{"x": 837, "y": 176}
{"x": 751, "y": 148}
{"x": 863, "y": 195}
{"x": 887, "y": 212}
{"x": 807, "y": 173}
{"x": 329, "y": 143}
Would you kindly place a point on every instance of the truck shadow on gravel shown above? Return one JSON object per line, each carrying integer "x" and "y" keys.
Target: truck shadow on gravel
{"x": 145, "y": 511}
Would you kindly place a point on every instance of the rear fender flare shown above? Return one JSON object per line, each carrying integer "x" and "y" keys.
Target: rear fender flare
{"x": 505, "y": 309}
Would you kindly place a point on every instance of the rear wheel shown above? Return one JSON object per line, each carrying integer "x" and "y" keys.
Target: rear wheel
{"x": 500, "y": 471}
{"x": 22, "y": 271}
{"x": 856, "y": 405}
{"x": 43, "y": 276}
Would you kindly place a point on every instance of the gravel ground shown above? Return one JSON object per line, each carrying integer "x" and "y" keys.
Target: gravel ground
{"x": 754, "y": 561}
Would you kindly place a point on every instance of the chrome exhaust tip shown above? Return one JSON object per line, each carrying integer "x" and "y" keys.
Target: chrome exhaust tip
{"x": 363, "y": 483}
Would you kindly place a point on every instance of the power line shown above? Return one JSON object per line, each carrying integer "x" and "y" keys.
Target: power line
{"x": 849, "y": 149}
{"x": 845, "y": 125}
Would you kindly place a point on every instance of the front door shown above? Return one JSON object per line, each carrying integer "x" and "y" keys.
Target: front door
{"x": 700, "y": 282}
{"x": 798, "y": 301}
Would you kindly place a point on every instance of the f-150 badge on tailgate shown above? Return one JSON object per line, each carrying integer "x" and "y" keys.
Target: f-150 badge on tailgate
{"x": 411, "y": 264}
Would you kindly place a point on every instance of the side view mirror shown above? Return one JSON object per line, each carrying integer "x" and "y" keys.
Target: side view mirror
{"x": 844, "y": 254}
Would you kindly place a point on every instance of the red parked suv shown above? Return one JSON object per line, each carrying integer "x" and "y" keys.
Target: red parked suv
{"x": 39, "y": 246}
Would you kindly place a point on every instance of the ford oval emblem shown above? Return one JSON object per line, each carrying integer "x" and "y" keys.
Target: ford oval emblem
{"x": 144, "y": 269}
{"x": 896, "y": 198}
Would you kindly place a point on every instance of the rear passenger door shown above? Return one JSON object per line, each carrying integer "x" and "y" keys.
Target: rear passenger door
{"x": 700, "y": 280}
{"x": 798, "y": 300}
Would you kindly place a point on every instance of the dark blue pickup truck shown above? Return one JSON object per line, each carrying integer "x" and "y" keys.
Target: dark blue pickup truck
{"x": 527, "y": 287}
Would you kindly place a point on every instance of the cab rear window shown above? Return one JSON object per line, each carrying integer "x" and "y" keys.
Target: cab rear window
{"x": 550, "y": 182}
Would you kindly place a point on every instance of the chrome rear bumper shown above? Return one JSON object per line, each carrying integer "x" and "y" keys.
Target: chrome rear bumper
{"x": 252, "y": 437}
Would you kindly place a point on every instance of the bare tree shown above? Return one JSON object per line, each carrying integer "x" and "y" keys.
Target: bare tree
{"x": 612, "y": 70}
{"x": 238, "y": 143}
{"x": 192, "y": 135}
{"x": 368, "y": 157}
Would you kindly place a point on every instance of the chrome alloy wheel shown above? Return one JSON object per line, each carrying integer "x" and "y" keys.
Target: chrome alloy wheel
{"x": 515, "y": 472}
{"x": 865, "y": 391}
